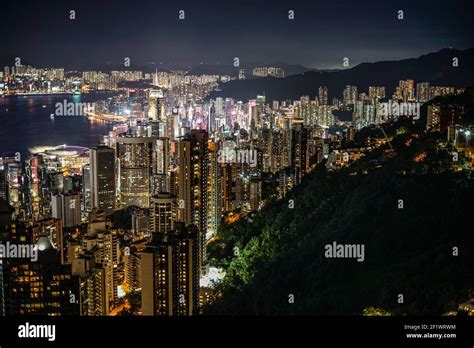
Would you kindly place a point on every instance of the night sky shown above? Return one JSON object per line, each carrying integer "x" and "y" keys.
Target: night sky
{"x": 322, "y": 33}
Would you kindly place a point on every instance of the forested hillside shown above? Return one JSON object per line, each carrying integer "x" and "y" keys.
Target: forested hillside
{"x": 421, "y": 249}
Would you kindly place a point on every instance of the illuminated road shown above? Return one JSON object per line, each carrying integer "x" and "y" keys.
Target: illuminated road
{"x": 105, "y": 117}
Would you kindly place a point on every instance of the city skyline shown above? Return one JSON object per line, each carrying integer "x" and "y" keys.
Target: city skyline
{"x": 236, "y": 160}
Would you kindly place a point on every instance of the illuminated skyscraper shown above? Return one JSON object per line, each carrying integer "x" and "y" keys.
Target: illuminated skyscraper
{"x": 423, "y": 91}
{"x": 268, "y": 71}
{"x": 405, "y": 91}
{"x": 193, "y": 175}
{"x": 97, "y": 267}
{"x": 86, "y": 188}
{"x": 132, "y": 270}
{"x": 350, "y": 95}
{"x": 433, "y": 112}
{"x": 67, "y": 207}
{"x": 162, "y": 213}
{"x": 299, "y": 142}
{"x": 170, "y": 273}
{"x": 376, "y": 92}
{"x": 214, "y": 190}
{"x": 323, "y": 95}
{"x": 156, "y": 273}
{"x": 93, "y": 298}
{"x": 13, "y": 169}
{"x": 161, "y": 166}
{"x": 219, "y": 106}
{"x": 102, "y": 171}
{"x": 31, "y": 171}
{"x": 135, "y": 158}
{"x": 171, "y": 130}
{"x": 153, "y": 109}
{"x": 37, "y": 287}
{"x": 276, "y": 160}
{"x": 3, "y": 181}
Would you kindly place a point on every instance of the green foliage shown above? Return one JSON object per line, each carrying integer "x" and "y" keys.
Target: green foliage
{"x": 375, "y": 312}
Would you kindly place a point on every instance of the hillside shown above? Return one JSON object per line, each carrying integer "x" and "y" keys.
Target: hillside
{"x": 408, "y": 251}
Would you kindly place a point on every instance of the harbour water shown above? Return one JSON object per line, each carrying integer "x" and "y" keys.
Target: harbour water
{"x": 25, "y": 122}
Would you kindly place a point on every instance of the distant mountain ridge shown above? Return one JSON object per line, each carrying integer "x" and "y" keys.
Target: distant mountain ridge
{"x": 289, "y": 69}
{"x": 436, "y": 68}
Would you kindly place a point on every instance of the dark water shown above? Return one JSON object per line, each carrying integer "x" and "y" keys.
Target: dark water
{"x": 27, "y": 123}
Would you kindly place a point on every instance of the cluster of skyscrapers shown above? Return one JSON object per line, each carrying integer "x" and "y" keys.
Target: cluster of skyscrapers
{"x": 134, "y": 214}
{"x": 176, "y": 169}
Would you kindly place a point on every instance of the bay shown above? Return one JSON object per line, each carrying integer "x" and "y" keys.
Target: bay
{"x": 25, "y": 122}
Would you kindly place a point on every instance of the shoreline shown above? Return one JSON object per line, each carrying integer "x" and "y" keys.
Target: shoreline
{"x": 53, "y": 94}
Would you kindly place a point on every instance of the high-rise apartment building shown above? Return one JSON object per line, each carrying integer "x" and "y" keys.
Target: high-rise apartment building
{"x": 299, "y": 144}
{"x": 214, "y": 198}
{"x": 193, "y": 157}
{"x": 350, "y": 95}
{"x": 170, "y": 273}
{"x": 423, "y": 91}
{"x": 323, "y": 95}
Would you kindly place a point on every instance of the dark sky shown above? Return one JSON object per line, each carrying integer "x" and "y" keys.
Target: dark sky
{"x": 322, "y": 33}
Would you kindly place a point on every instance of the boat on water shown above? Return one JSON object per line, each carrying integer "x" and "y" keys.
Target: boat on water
{"x": 44, "y": 106}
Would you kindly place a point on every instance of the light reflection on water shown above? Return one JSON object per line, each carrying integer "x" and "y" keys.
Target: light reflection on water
{"x": 25, "y": 123}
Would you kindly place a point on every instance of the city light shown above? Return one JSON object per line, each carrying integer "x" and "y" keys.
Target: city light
{"x": 225, "y": 160}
